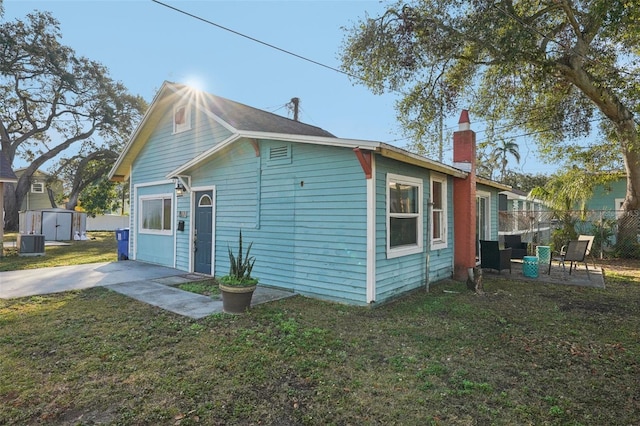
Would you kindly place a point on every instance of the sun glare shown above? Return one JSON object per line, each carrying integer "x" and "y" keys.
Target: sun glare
{"x": 196, "y": 83}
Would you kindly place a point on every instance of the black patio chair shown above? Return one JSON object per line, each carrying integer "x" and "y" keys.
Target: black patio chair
{"x": 575, "y": 251}
{"x": 519, "y": 249}
{"x": 494, "y": 257}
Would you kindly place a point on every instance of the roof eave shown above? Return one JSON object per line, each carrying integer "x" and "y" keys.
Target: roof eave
{"x": 398, "y": 154}
{"x": 120, "y": 170}
{"x": 493, "y": 184}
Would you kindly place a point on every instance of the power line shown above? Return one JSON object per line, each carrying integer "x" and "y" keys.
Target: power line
{"x": 288, "y": 52}
{"x": 191, "y": 15}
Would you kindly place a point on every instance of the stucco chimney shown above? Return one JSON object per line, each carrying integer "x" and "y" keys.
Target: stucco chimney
{"x": 464, "y": 198}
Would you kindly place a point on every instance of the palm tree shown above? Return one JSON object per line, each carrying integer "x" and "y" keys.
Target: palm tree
{"x": 563, "y": 194}
{"x": 507, "y": 147}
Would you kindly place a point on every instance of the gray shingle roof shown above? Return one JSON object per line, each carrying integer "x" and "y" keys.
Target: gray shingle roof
{"x": 244, "y": 117}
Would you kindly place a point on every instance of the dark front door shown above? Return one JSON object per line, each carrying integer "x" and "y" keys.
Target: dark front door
{"x": 203, "y": 232}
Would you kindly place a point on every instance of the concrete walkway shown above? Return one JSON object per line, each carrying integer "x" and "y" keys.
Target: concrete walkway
{"x": 145, "y": 282}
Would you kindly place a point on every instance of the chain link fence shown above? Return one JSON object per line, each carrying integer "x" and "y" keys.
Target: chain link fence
{"x": 617, "y": 233}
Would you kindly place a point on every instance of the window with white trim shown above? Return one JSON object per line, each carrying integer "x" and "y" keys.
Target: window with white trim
{"x": 438, "y": 212}
{"x": 181, "y": 118}
{"x": 404, "y": 215}
{"x": 37, "y": 188}
{"x": 156, "y": 214}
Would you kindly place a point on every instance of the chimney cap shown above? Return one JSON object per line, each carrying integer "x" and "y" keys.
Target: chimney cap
{"x": 464, "y": 123}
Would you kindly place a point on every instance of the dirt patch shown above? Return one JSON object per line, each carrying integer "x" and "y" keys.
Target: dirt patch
{"x": 621, "y": 266}
{"x": 593, "y": 307}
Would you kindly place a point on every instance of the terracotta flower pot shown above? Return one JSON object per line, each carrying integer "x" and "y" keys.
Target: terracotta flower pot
{"x": 236, "y": 299}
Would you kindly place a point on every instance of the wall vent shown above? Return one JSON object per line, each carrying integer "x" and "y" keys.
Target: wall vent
{"x": 280, "y": 155}
{"x": 278, "y": 152}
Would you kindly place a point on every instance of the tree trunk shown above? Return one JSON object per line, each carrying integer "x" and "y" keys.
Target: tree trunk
{"x": 13, "y": 196}
{"x": 627, "y": 238}
{"x": 52, "y": 199}
{"x": 11, "y": 219}
{"x": 73, "y": 201}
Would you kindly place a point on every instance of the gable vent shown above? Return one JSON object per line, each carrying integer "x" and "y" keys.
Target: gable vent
{"x": 279, "y": 152}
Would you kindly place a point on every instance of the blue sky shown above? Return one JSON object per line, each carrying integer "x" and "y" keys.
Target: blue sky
{"x": 143, "y": 44}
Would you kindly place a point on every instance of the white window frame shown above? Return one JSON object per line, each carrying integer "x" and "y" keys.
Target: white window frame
{"x": 185, "y": 122}
{"x": 487, "y": 213}
{"x": 405, "y": 250}
{"x": 37, "y": 187}
{"x": 141, "y": 212}
{"x": 441, "y": 242}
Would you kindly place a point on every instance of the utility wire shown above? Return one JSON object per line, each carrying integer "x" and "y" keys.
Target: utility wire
{"x": 191, "y": 15}
{"x": 288, "y": 52}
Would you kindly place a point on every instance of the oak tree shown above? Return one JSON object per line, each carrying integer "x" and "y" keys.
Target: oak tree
{"x": 53, "y": 101}
{"x": 558, "y": 69}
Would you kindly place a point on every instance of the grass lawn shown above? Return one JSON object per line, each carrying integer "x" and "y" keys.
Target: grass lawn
{"x": 522, "y": 354}
{"x": 101, "y": 247}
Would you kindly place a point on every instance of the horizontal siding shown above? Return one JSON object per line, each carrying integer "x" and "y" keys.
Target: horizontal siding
{"x": 604, "y": 196}
{"x": 398, "y": 275}
{"x": 310, "y": 236}
{"x": 165, "y": 151}
{"x": 182, "y": 237}
{"x": 157, "y": 249}
{"x": 330, "y": 223}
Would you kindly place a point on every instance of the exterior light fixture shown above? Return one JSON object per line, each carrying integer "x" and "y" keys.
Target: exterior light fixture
{"x": 180, "y": 189}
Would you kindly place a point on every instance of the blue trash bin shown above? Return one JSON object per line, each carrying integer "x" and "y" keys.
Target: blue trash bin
{"x": 122, "y": 237}
{"x": 530, "y": 266}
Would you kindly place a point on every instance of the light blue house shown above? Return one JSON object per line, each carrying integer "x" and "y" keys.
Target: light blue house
{"x": 348, "y": 220}
{"x": 608, "y": 197}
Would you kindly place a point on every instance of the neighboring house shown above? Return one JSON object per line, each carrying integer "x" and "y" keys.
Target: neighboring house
{"x": 525, "y": 216}
{"x": 339, "y": 219}
{"x": 608, "y": 198}
{"x": 42, "y": 190}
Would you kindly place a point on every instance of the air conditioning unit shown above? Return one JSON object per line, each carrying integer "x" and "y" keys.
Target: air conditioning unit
{"x": 31, "y": 244}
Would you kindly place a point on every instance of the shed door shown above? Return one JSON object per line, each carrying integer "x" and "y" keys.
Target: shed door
{"x": 56, "y": 226}
{"x": 203, "y": 232}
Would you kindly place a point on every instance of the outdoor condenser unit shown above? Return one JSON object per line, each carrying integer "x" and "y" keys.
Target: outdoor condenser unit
{"x": 31, "y": 244}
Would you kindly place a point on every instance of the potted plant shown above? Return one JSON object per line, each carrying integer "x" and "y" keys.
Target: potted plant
{"x": 237, "y": 288}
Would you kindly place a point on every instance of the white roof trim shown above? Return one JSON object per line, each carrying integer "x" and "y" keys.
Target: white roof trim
{"x": 492, "y": 183}
{"x": 136, "y": 132}
{"x": 395, "y": 153}
{"x": 315, "y": 140}
{"x": 385, "y": 150}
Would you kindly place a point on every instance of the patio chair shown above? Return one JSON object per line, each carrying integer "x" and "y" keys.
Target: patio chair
{"x": 519, "y": 249}
{"x": 590, "y": 239}
{"x": 494, "y": 257}
{"x": 575, "y": 251}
